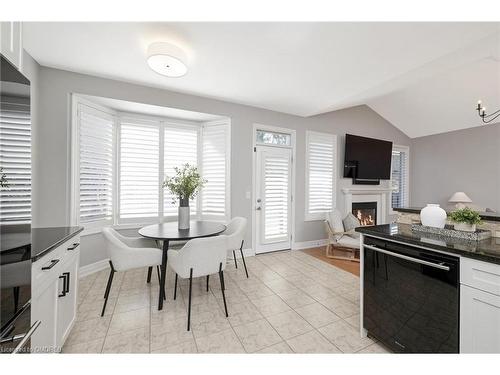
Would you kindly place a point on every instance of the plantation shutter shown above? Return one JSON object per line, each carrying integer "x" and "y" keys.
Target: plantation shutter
{"x": 276, "y": 189}
{"x": 320, "y": 155}
{"x": 214, "y": 162}
{"x": 139, "y": 165}
{"x": 15, "y": 161}
{"x": 180, "y": 148}
{"x": 96, "y": 165}
{"x": 399, "y": 177}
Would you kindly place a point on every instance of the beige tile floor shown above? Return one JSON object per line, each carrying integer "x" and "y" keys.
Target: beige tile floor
{"x": 292, "y": 303}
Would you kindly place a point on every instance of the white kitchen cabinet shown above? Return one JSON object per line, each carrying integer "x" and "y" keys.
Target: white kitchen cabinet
{"x": 43, "y": 308}
{"x": 54, "y": 296}
{"x": 479, "y": 321}
{"x": 67, "y": 300}
{"x": 11, "y": 42}
{"x": 479, "y": 307}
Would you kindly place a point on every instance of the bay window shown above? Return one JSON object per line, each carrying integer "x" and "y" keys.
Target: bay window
{"x": 120, "y": 161}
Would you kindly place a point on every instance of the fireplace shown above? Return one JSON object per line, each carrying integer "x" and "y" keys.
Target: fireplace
{"x": 365, "y": 212}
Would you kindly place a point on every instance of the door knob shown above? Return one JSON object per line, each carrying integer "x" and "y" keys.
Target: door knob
{"x": 258, "y": 208}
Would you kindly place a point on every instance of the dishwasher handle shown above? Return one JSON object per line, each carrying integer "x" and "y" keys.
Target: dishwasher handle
{"x": 441, "y": 266}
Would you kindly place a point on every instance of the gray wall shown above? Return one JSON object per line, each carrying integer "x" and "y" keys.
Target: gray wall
{"x": 53, "y": 145}
{"x": 464, "y": 160}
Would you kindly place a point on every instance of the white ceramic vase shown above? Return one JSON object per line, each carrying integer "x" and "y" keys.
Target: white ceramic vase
{"x": 466, "y": 227}
{"x": 433, "y": 216}
{"x": 183, "y": 217}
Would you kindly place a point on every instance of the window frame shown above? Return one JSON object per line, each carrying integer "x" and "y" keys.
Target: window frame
{"x": 406, "y": 196}
{"x": 162, "y": 123}
{"x": 317, "y": 216}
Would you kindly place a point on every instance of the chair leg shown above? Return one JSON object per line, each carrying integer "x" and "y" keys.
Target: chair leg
{"x": 234, "y": 257}
{"x": 243, "y": 258}
{"x": 222, "y": 287}
{"x": 158, "y": 274}
{"x": 208, "y": 277}
{"x": 108, "y": 288}
{"x": 150, "y": 269}
{"x": 189, "y": 302}
{"x": 175, "y": 287}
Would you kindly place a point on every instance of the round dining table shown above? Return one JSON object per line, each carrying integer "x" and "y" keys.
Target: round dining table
{"x": 167, "y": 232}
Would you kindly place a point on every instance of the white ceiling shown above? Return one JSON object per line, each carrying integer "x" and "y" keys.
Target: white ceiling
{"x": 405, "y": 71}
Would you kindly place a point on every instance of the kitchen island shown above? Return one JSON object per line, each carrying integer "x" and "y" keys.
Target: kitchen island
{"x": 429, "y": 293}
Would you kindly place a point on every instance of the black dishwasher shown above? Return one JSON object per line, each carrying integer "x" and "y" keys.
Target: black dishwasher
{"x": 411, "y": 297}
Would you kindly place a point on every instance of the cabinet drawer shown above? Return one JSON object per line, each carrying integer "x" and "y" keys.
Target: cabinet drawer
{"x": 480, "y": 275}
{"x": 54, "y": 259}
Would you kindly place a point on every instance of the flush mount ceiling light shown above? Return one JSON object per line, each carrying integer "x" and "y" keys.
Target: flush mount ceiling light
{"x": 167, "y": 59}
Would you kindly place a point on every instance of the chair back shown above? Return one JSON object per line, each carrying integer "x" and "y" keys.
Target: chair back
{"x": 118, "y": 252}
{"x": 235, "y": 232}
{"x": 334, "y": 219}
{"x": 203, "y": 255}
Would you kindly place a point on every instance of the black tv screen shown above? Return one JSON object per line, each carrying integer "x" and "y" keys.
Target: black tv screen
{"x": 367, "y": 158}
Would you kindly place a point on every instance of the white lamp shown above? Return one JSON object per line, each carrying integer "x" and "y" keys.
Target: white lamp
{"x": 167, "y": 59}
{"x": 459, "y": 198}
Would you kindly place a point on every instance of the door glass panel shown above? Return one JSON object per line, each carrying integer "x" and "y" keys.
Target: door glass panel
{"x": 273, "y": 138}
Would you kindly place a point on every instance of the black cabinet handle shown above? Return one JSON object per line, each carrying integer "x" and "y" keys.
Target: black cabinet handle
{"x": 75, "y": 245}
{"x": 67, "y": 276}
{"x": 63, "y": 277}
{"x": 53, "y": 262}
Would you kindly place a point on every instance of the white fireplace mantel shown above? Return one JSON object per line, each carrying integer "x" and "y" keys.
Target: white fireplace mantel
{"x": 369, "y": 194}
{"x": 366, "y": 190}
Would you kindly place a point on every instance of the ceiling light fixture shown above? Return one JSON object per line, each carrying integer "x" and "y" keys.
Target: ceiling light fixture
{"x": 167, "y": 59}
{"x": 482, "y": 113}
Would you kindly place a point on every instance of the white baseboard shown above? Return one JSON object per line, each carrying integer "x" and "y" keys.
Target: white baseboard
{"x": 93, "y": 268}
{"x": 309, "y": 244}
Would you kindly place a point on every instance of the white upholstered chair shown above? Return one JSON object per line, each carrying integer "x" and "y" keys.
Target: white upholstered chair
{"x": 199, "y": 257}
{"x": 127, "y": 253}
{"x": 235, "y": 232}
{"x": 339, "y": 238}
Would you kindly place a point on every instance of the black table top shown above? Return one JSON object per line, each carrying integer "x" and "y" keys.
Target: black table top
{"x": 486, "y": 250}
{"x": 32, "y": 242}
{"x": 171, "y": 232}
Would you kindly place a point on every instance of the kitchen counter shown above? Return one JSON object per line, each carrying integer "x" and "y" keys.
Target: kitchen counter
{"x": 32, "y": 242}
{"x": 487, "y": 216}
{"x": 486, "y": 250}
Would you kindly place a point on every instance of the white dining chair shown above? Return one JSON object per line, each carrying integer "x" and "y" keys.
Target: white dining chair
{"x": 198, "y": 258}
{"x": 235, "y": 232}
{"x": 127, "y": 253}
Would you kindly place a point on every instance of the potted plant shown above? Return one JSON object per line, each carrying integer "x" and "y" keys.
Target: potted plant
{"x": 186, "y": 183}
{"x": 465, "y": 219}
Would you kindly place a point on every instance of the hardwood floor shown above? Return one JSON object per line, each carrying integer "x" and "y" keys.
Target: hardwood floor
{"x": 346, "y": 265}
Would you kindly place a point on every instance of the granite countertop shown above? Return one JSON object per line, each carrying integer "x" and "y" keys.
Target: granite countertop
{"x": 485, "y": 250}
{"x": 489, "y": 216}
{"x": 32, "y": 243}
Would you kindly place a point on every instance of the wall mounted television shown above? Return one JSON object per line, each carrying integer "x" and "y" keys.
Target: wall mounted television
{"x": 367, "y": 160}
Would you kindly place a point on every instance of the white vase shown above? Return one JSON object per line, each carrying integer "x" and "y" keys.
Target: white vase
{"x": 183, "y": 217}
{"x": 466, "y": 227}
{"x": 433, "y": 216}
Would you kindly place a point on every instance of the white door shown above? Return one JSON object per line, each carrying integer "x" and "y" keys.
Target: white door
{"x": 273, "y": 198}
